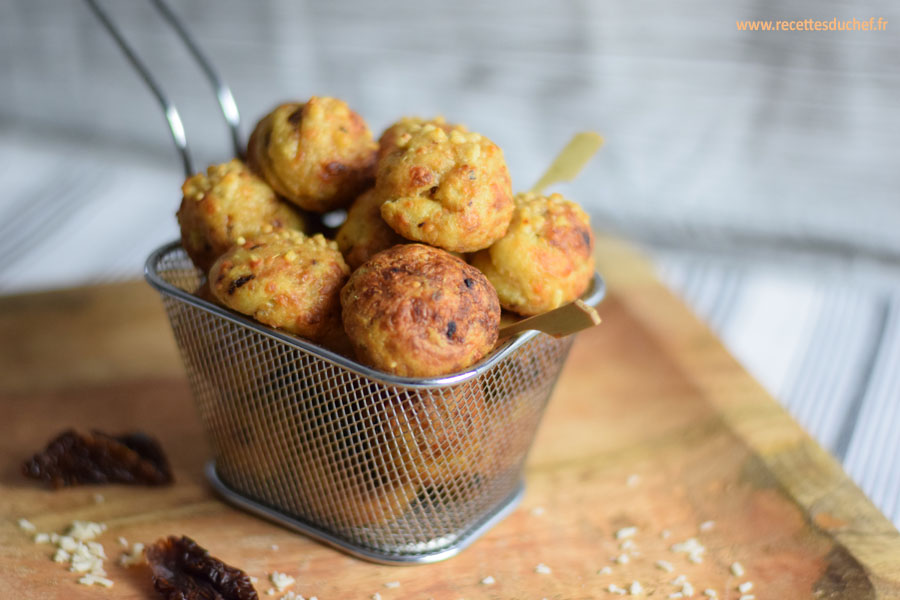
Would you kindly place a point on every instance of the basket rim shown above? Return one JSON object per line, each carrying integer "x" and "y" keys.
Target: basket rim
{"x": 594, "y": 294}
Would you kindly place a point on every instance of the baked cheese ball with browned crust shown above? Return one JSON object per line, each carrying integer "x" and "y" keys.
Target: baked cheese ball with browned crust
{"x": 447, "y": 189}
{"x": 545, "y": 259}
{"x": 285, "y": 280}
{"x": 364, "y": 233}
{"x": 402, "y": 129}
{"x": 418, "y": 311}
{"x": 226, "y": 204}
{"x": 319, "y": 155}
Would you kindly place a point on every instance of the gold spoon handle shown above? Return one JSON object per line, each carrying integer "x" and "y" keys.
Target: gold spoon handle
{"x": 570, "y": 160}
{"x": 565, "y": 320}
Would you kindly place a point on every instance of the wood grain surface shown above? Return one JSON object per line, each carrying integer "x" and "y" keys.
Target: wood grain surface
{"x": 652, "y": 425}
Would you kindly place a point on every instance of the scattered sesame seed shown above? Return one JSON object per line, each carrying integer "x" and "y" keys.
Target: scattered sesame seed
{"x": 42, "y": 538}
{"x": 695, "y": 557}
{"x": 270, "y": 592}
{"x": 604, "y": 571}
{"x": 626, "y": 532}
{"x": 61, "y": 556}
{"x": 679, "y": 580}
{"x": 687, "y": 589}
{"x": 254, "y": 579}
{"x": 122, "y": 541}
{"x": 99, "y": 499}
{"x": 626, "y": 545}
{"x": 635, "y": 589}
{"x": 614, "y": 589}
{"x": 745, "y": 587}
{"x": 707, "y": 525}
{"x": 737, "y": 569}
{"x": 135, "y": 557}
{"x": 91, "y": 579}
{"x": 281, "y": 580}
{"x": 274, "y": 546}
{"x": 622, "y": 559}
{"x": 711, "y": 593}
{"x": 676, "y": 595}
{"x": 537, "y": 511}
{"x": 392, "y": 584}
{"x": 665, "y": 566}
{"x": 633, "y": 480}
{"x": 665, "y": 534}
{"x": 376, "y": 596}
{"x": 489, "y": 580}
{"x": 747, "y": 597}
{"x": 85, "y": 530}
{"x": 542, "y": 569}
{"x": 26, "y": 525}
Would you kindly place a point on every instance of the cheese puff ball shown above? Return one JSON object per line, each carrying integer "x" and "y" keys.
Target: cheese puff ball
{"x": 403, "y": 129}
{"x": 545, "y": 259}
{"x": 450, "y": 190}
{"x": 364, "y": 233}
{"x": 285, "y": 280}
{"x": 319, "y": 155}
{"x": 223, "y": 205}
{"x": 417, "y": 311}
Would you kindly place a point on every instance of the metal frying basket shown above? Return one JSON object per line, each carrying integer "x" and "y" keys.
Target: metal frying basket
{"x": 391, "y": 469}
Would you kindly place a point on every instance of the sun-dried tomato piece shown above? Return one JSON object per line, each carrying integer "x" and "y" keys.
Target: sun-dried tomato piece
{"x": 182, "y": 570}
{"x": 88, "y": 458}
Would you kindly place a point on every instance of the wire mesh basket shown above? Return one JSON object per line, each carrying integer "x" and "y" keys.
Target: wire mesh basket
{"x": 391, "y": 469}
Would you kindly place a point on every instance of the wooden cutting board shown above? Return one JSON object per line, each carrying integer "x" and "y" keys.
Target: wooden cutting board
{"x": 653, "y": 425}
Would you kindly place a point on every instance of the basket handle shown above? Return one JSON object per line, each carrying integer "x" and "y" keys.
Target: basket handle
{"x": 227, "y": 104}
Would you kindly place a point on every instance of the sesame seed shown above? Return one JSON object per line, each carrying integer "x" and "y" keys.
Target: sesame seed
{"x": 61, "y": 556}
{"x": 665, "y": 534}
{"x": 122, "y": 542}
{"x": 99, "y": 499}
{"x": 707, "y": 525}
{"x": 635, "y": 589}
{"x": 679, "y": 580}
{"x": 274, "y": 546}
{"x": 676, "y": 595}
{"x": 614, "y": 589}
{"x": 543, "y": 569}
{"x": 281, "y": 580}
{"x": 626, "y": 545}
{"x": 745, "y": 587}
{"x": 392, "y": 584}
{"x": 710, "y": 593}
{"x": 622, "y": 559}
{"x": 489, "y": 580}
{"x": 633, "y": 480}
{"x": 604, "y": 571}
{"x": 737, "y": 569}
{"x": 665, "y": 565}
{"x": 747, "y": 597}
{"x": 376, "y": 596}
{"x": 42, "y": 538}
{"x": 626, "y": 532}
{"x": 687, "y": 589}
{"x": 537, "y": 511}
{"x": 26, "y": 525}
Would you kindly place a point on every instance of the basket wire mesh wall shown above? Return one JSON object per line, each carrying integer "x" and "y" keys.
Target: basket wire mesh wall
{"x": 390, "y": 469}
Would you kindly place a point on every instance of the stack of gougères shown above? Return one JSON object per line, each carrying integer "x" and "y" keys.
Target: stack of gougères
{"x": 434, "y": 242}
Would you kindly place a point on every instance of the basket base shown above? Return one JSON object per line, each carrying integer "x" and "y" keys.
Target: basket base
{"x": 502, "y": 510}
